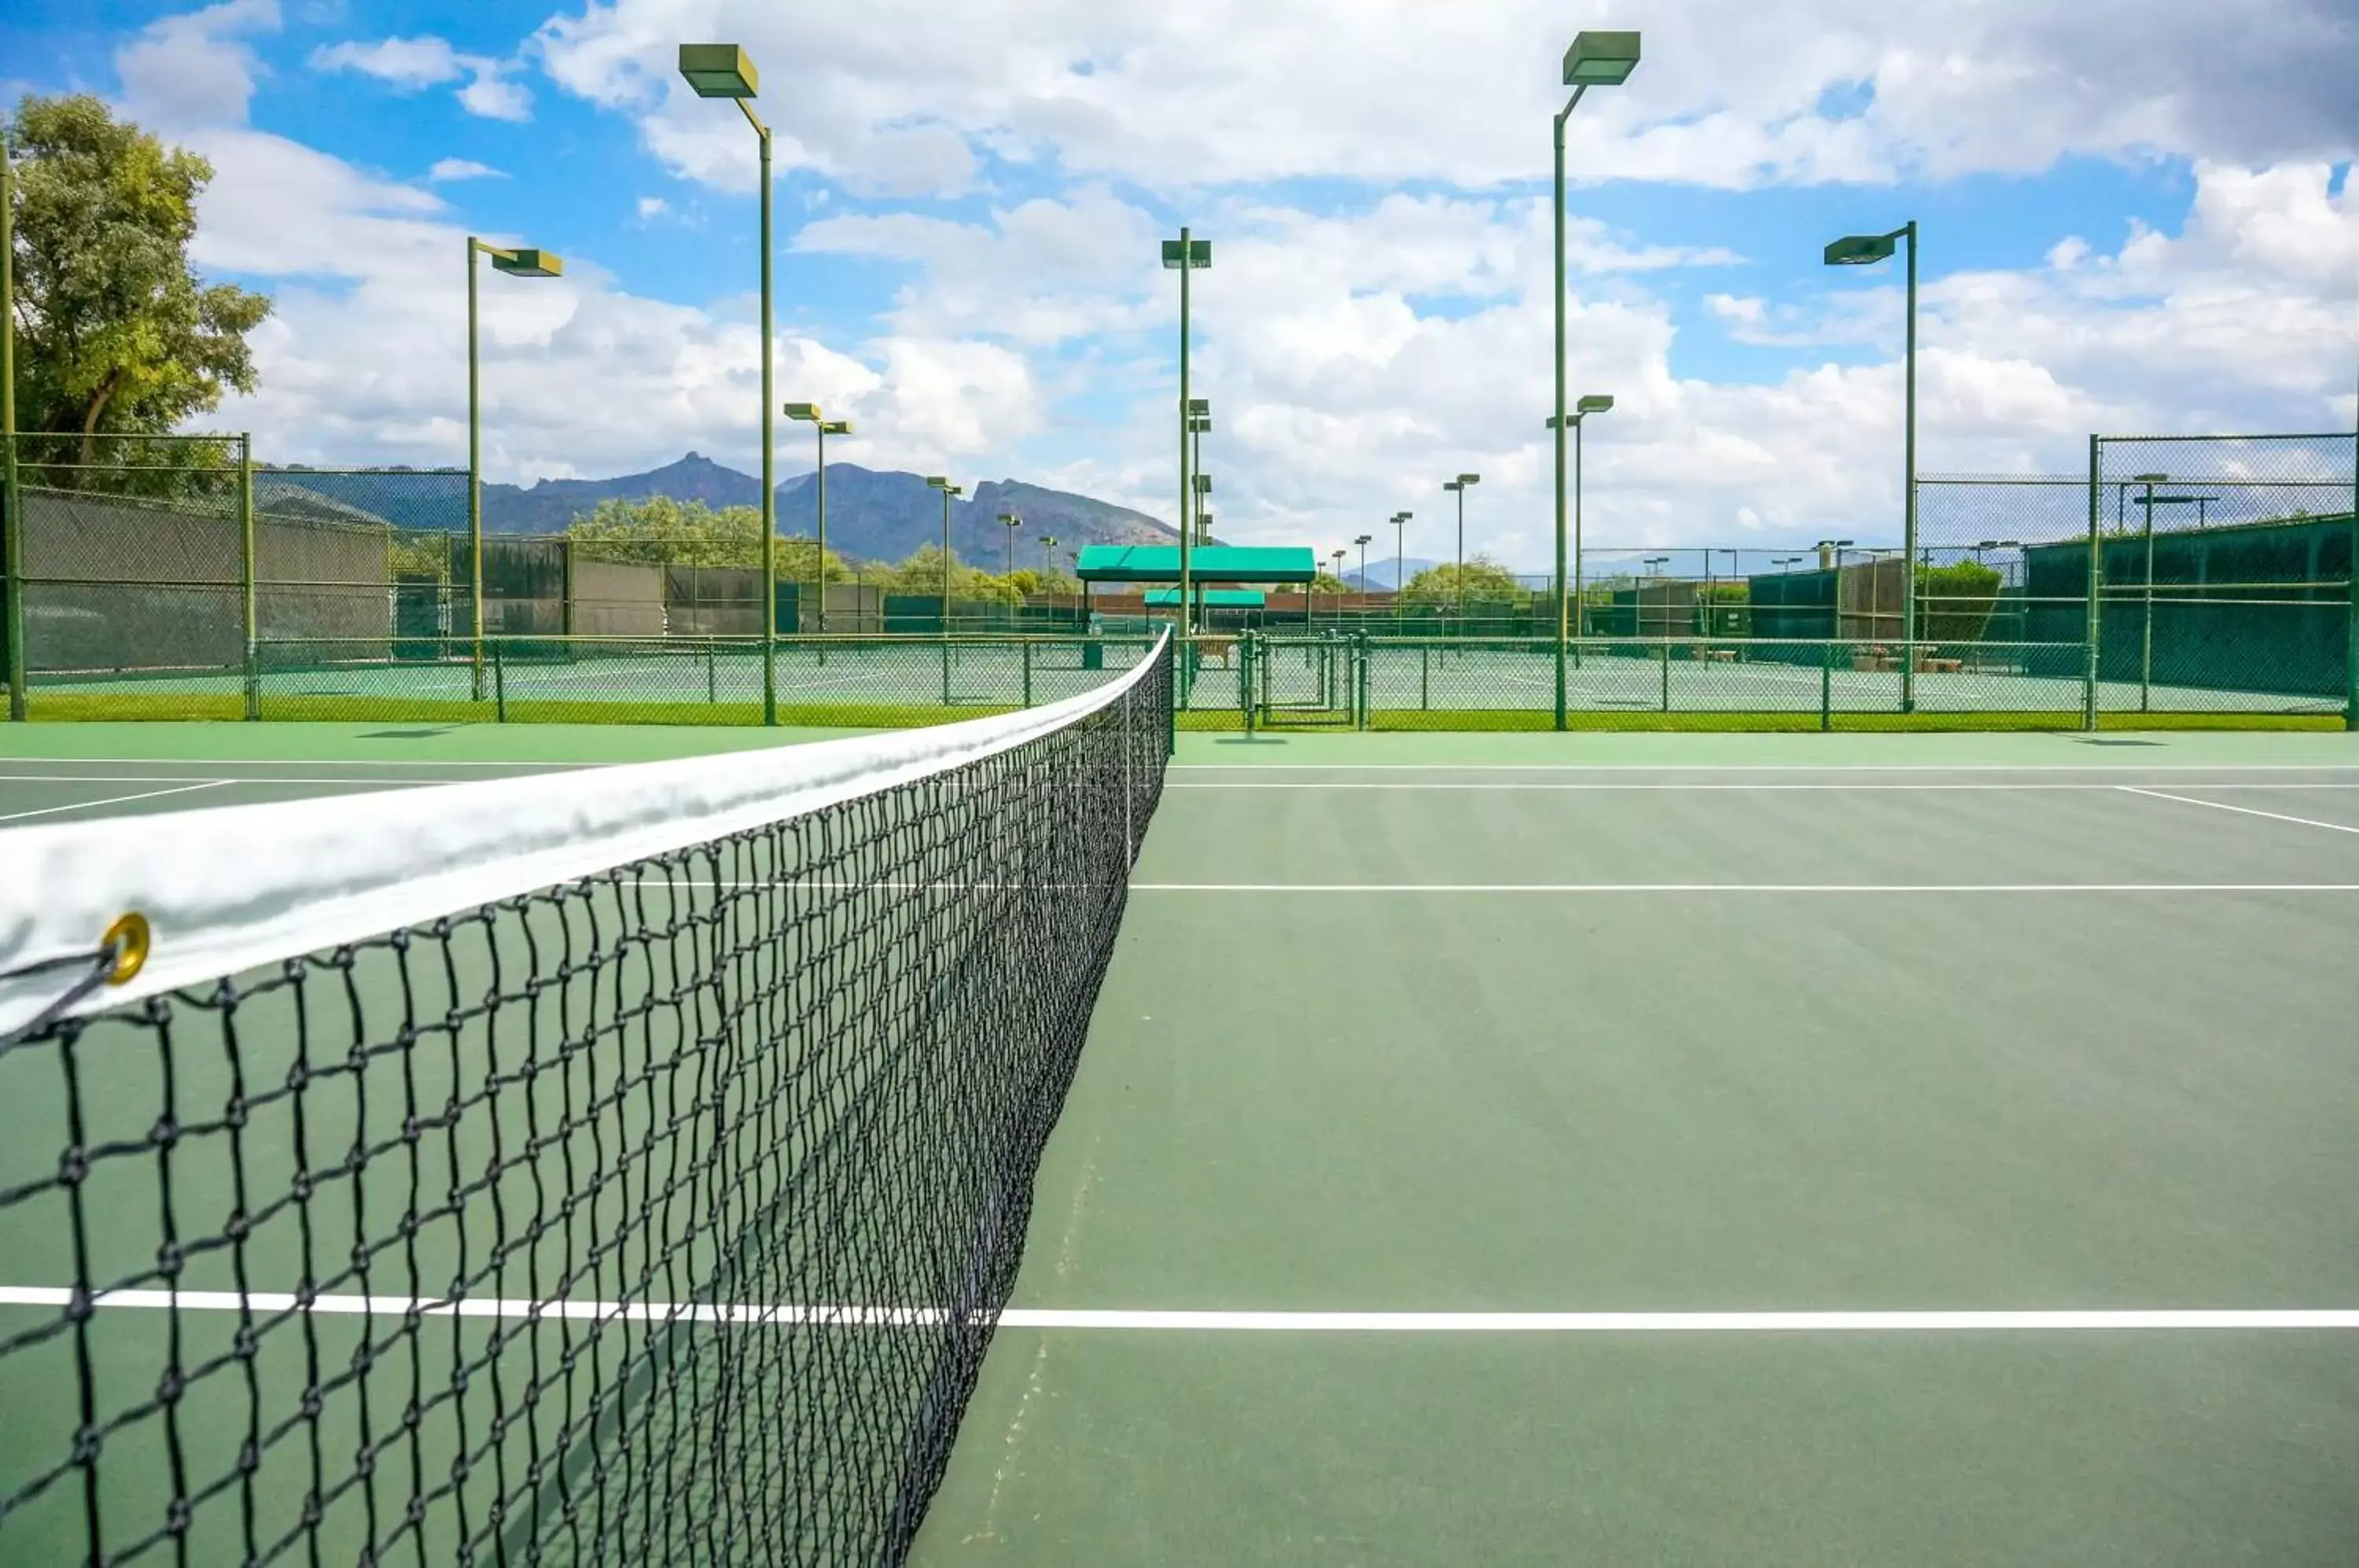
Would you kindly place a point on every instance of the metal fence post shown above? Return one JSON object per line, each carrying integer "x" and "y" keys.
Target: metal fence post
{"x": 1360, "y": 653}
{"x": 499, "y": 685}
{"x": 2096, "y": 581}
{"x": 2350, "y": 598}
{"x": 1028, "y": 673}
{"x": 1245, "y": 679}
{"x": 11, "y": 573}
{"x": 1827, "y": 686}
{"x": 1667, "y": 675}
{"x": 245, "y": 571}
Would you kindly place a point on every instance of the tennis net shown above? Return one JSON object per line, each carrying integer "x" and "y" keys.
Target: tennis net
{"x": 626, "y": 1165}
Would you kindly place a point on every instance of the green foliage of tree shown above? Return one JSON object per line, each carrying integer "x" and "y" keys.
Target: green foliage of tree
{"x": 1327, "y": 582}
{"x": 1481, "y": 579}
{"x": 1027, "y": 581}
{"x": 921, "y": 572}
{"x": 1955, "y": 601}
{"x": 657, "y": 531}
{"x": 115, "y": 332}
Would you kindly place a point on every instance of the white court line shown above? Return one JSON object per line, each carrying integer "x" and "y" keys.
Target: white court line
{"x": 2240, "y": 810}
{"x": 1842, "y": 887}
{"x": 788, "y": 1315}
{"x": 1407, "y": 784}
{"x": 626, "y": 878}
{"x": 2124, "y": 766}
{"x": 111, "y": 799}
{"x": 191, "y": 779}
{"x": 317, "y": 761}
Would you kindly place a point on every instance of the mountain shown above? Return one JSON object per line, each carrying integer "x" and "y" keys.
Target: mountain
{"x": 1380, "y": 573}
{"x": 548, "y": 506}
{"x": 872, "y": 515}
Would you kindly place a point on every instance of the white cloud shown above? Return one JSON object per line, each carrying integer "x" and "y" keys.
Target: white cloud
{"x": 194, "y": 70}
{"x": 1731, "y": 93}
{"x": 357, "y": 265}
{"x": 411, "y": 65}
{"x": 652, "y": 208}
{"x": 450, "y": 168}
{"x": 495, "y": 97}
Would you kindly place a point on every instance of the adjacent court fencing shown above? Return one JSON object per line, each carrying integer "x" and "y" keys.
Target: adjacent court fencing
{"x": 2199, "y": 578}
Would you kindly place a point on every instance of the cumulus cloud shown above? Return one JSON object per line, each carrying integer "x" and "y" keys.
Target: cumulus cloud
{"x": 1731, "y": 93}
{"x": 195, "y": 69}
{"x": 411, "y": 65}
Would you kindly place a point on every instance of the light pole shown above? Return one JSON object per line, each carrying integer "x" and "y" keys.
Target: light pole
{"x": 1048, "y": 555}
{"x": 1401, "y": 559}
{"x": 1831, "y": 555}
{"x": 1337, "y": 557}
{"x": 810, "y": 413}
{"x": 1458, "y": 487}
{"x": 724, "y": 71}
{"x": 1011, "y": 522}
{"x": 1567, "y": 629}
{"x": 520, "y": 262}
{"x": 1200, "y": 484}
{"x": 2149, "y": 501}
{"x": 1863, "y": 250}
{"x": 1362, "y": 542}
{"x": 943, "y": 484}
{"x": 1595, "y": 59}
{"x": 1186, "y": 256}
{"x": 12, "y": 530}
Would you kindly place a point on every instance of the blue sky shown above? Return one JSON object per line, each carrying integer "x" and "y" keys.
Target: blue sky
{"x": 969, "y": 194}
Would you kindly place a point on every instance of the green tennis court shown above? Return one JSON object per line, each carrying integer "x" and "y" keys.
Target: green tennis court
{"x": 1533, "y": 1149}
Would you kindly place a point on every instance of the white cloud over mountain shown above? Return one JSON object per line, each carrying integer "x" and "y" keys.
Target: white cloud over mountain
{"x": 1378, "y": 318}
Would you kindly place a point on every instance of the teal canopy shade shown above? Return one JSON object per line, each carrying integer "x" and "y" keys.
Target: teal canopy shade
{"x": 1211, "y": 598}
{"x": 1209, "y": 563}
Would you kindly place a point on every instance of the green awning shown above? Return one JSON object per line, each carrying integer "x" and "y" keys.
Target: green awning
{"x": 1212, "y": 563}
{"x": 1213, "y": 598}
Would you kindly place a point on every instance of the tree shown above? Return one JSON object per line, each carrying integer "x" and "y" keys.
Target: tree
{"x": 1327, "y": 582}
{"x": 115, "y": 333}
{"x": 921, "y": 572}
{"x": 1481, "y": 579}
{"x": 660, "y": 531}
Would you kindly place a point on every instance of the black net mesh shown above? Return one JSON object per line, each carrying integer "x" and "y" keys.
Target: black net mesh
{"x": 660, "y": 1215}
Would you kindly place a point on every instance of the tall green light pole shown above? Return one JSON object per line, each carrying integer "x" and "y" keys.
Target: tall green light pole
{"x": 516, "y": 264}
{"x": 1568, "y": 626}
{"x": 808, "y": 413}
{"x": 1186, "y": 256}
{"x": 943, "y": 484}
{"x": 1011, "y": 522}
{"x": 723, "y": 70}
{"x": 1595, "y": 59}
{"x": 12, "y": 522}
{"x": 1362, "y": 542}
{"x": 1458, "y": 487}
{"x": 1865, "y": 250}
{"x": 1048, "y": 543}
{"x": 1400, "y": 558}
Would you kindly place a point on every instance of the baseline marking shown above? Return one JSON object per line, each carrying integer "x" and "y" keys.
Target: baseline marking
{"x": 1747, "y": 766}
{"x": 1843, "y": 887}
{"x": 2240, "y": 810}
{"x": 788, "y": 1316}
{"x": 111, "y": 799}
{"x": 1620, "y": 788}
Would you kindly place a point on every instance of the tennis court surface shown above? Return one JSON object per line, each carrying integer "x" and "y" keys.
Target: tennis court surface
{"x": 1511, "y": 1149}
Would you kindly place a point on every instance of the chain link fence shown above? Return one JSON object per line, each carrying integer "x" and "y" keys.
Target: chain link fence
{"x": 175, "y": 577}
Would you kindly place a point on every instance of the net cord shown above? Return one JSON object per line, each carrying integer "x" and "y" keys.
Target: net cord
{"x": 231, "y": 889}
